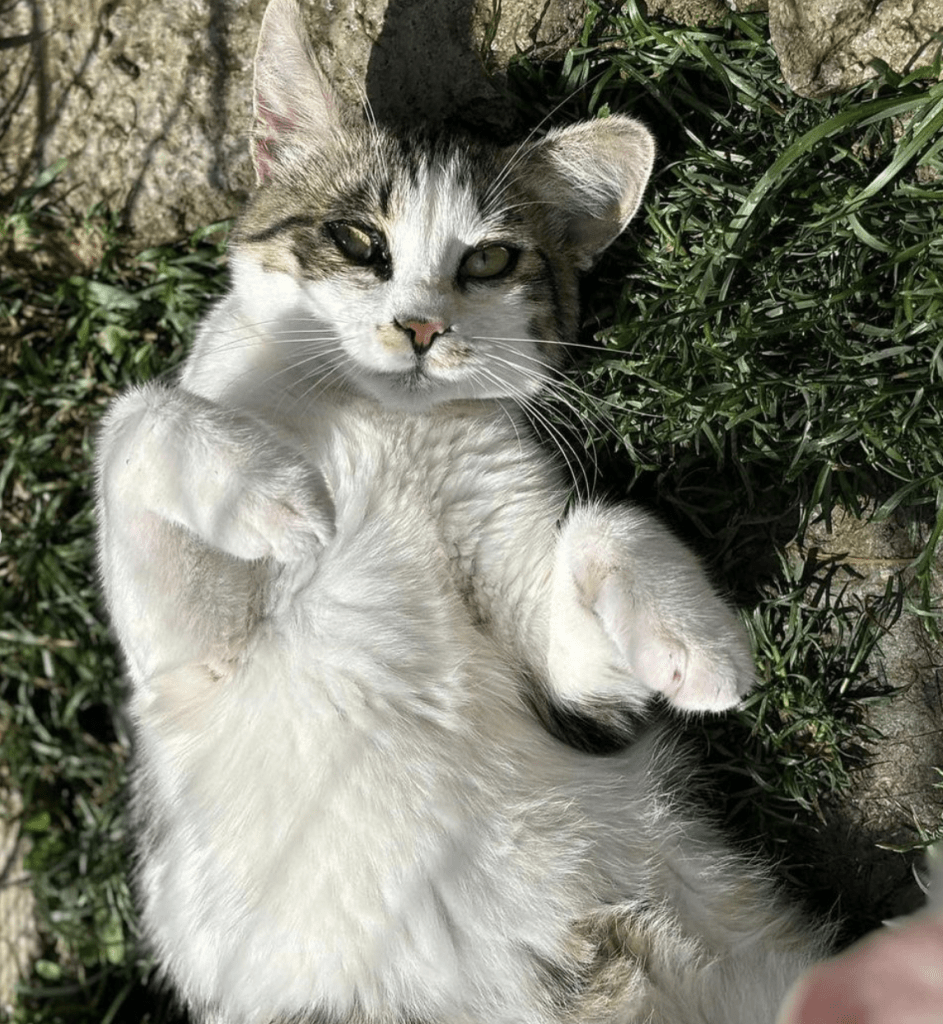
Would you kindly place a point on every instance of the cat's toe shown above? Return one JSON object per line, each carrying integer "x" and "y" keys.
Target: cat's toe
{"x": 709, "y": 683}
{"x": 704, "y": 663}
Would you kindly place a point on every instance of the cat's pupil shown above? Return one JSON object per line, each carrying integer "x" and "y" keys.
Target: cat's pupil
{"x": 356, "y": 242}
{"x": 489, "y": 261}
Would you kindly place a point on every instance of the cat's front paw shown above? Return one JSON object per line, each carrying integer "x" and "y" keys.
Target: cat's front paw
{"x": 282, "y": 510}
{"x": 222, "y": 474}
{"x": 633, "y": 613}
{"x": 696, "y": 655}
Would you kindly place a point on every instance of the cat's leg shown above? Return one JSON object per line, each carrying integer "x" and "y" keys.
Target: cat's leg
{"x": 755, "y": 943}
{"x": 197, "y": 505}
{"x": 652, "y": 969}
{"x": 632, "y": 613}
{"x": 709, "y": 937}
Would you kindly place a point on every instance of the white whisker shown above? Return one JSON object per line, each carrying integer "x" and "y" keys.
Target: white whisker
{"x": 332, "y": 373}
{"x": 546, "y": 341}
{"x": 580, "y": 406}
{"x": 540, "y": 419}
{"x": 501, "y": 182}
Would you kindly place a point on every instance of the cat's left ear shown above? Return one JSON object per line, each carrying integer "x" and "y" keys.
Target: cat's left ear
{"x": 291, "y": 95}
{"x": 595, "y": 173}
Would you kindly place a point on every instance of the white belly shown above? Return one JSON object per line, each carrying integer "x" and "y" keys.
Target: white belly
{"x": 362, "y": 812}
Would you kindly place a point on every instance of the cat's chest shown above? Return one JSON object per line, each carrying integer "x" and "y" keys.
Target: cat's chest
{"x": 430, "y": 513}
{"x": 439, "y": 482}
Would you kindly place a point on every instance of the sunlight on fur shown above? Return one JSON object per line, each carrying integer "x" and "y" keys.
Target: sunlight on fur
{"x": 392, "y": 689}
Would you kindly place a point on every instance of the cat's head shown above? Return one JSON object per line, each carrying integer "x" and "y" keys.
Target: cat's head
{"x": 429, "y": 268}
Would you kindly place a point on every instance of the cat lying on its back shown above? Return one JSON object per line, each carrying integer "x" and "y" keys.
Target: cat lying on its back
{"x": 366, "y": 638}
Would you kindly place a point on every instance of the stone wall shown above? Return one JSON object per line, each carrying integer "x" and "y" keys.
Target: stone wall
{"x": 148, "y": 104}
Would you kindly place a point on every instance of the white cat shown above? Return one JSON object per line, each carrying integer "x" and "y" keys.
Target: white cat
{"x": 374, "y": 657}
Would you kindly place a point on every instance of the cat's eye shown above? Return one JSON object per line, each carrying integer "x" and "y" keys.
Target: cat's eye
{"x": 358, "y": 243}
{"x": 489, "y": 261}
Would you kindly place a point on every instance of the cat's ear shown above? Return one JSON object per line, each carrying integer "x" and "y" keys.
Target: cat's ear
{"x": 595, "y": 173}
{"x": 291, "y": 96}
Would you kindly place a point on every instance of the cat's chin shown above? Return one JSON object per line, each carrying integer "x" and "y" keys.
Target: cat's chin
{"x": 417, "y": 392}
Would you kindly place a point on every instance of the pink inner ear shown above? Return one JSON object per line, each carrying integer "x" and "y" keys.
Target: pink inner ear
{"x": 277, "y": 124}
{"x": 262, "y": 158}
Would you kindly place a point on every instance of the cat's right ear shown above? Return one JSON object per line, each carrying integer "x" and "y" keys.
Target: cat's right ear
{"x": 593, "y": 175}
{"x": 292, "y": 97}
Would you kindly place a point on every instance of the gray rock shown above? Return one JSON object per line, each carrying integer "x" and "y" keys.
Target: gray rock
{"x": 150, "y": 104}
{"x": 896, "y": 790}
{"x": 689, "y": 12}
{"x": 746, "y": 6}
{"x": 826, "y": 46}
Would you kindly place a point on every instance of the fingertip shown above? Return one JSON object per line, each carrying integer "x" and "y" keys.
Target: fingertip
{"x": 825, "y": 995}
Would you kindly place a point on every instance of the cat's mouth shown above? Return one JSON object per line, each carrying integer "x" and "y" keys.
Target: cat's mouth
{"x": 415, "y": 379}
{"x": 419, "y": 386}
{"x": 408, "y": 389}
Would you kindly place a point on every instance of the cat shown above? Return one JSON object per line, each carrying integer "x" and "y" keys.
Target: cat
{"x": 389, "y": 686}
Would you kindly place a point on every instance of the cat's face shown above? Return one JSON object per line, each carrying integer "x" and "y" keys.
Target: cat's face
{"x": 427, "y": 269}
{"x": 421, "y": 260}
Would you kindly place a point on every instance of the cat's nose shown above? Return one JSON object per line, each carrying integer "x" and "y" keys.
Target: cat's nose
{"x": 422, "y": 332}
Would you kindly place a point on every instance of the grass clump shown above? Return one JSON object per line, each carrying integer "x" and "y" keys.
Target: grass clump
{"x": 773, "y": 353}
{"x": 767, "y": 344}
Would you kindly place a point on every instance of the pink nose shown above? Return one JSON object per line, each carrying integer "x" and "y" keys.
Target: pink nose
{"x": 424, "y": 332}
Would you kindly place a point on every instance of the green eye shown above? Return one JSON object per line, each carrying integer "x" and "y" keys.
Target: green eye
{"x": 489, "y": 261}
{"x": 357, "y": 243}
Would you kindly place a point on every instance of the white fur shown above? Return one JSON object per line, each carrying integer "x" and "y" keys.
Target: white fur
{"x": 356, "y": 809}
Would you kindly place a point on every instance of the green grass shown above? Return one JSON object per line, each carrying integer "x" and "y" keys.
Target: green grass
{"x": 772, "y": 332}
{"x": 68, "y": 341}
{"x": 768, "y": 345}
